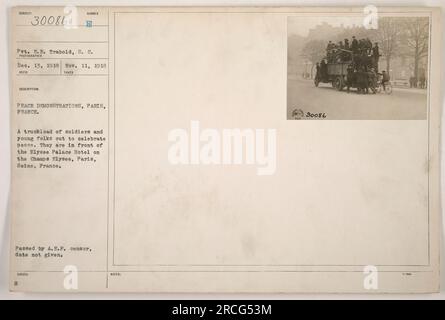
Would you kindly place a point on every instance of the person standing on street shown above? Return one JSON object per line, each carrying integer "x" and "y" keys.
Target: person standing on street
{"x": 376, "y": 56}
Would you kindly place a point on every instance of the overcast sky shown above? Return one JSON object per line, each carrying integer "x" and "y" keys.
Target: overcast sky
{"x": 302, "y": 25}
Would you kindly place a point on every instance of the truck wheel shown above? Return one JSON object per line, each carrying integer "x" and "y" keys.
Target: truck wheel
{"x": 388, "y": 88}
{"x": 339, "y": 83}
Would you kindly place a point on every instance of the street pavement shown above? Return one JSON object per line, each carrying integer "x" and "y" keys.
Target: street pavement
{"x": 402, "y": 104}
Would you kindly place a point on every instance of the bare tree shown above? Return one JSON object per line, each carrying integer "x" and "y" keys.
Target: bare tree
{"x": 388, "y": 35}
{"x": 416, "y": 39}
{"x": 314, "y": 51}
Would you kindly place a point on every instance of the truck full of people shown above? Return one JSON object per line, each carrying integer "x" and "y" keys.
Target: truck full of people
{"x": 352, "y": 64}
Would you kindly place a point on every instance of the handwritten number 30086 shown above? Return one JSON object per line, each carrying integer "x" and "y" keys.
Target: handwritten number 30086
{"x": 48, "y": 20}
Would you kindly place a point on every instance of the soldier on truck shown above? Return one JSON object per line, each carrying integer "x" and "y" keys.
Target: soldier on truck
{"x": 376, "y": 56}
{"x": 350, "y": 66}
{"x": 350, "y": 77}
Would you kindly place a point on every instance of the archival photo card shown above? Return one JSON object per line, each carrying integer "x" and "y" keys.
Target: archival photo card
{"x": 151, "y": 150}
{"x": 343, "y": 68}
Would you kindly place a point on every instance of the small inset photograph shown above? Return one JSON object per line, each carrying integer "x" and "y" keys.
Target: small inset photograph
{"x": 338, "y": 69}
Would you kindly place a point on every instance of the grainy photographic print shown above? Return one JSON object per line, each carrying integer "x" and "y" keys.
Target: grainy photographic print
{"x": 340, "y": 69}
